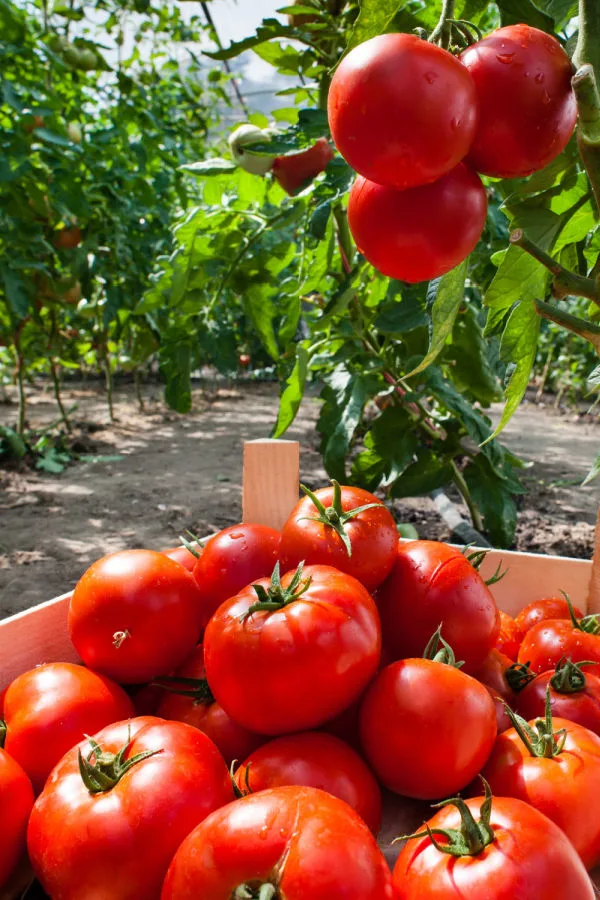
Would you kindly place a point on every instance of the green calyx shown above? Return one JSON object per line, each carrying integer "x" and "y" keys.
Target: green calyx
{"x": 2, "y": 733}
{"x": 250, "y": 891}
{"x": 471, "y": 838}
{"x": 541, "y": 740}
{"x": 334, "y": 515}
{"x": 569, "y": 677}
{"x": 477, "y": 557}
{"x": 589, "y": 624}
{"x": 197, "y": 689}
{"x": 276, "y": 596}
{"x": 439, "y": 650}
{"x": 518, "y": 676}
{"x": 237, "y": 790}
{"x": 107, "y": 770}
{"x": 192, "y": 543}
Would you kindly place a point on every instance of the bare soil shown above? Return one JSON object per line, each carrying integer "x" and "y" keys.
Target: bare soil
{"x": 184, "y": 472}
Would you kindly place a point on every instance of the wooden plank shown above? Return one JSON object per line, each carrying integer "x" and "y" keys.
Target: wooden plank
{"x": 271, "y": 478}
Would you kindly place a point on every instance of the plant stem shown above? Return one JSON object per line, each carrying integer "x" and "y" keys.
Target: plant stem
{"x": 465, "y": 493}
{"x": 584, "y": 329}
{"x": 344, "y": 236}
{"x": 56, "y": 383}
{"x": 108, "y": 380}
{"x": 138, "y": 388}
{"x": 585, "y": 87}
{"x": 441, "y": 32}
{"x": 588, "y": 40}
{"x": 21, "y": 386}
{"x": 565, "y": 282}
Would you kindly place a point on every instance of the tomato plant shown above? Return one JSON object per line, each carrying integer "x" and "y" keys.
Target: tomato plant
{"x": 16, "y": 802}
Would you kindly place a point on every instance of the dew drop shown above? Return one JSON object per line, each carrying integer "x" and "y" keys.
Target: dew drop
{"x": 539, "y": 78}
{"x": 263, "y": 832}
{"x": 505, "y": 58}
{"x": 236, "y": 535}
{"x": 454, "y": 123}
{"x": 431, "y": 77}
{"x": 546, "y": 98}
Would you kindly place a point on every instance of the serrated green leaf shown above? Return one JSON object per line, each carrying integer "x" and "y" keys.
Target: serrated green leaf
{"x": 390, "y": 446}
{"x": 403, "y": 311}
{"x": 15, "y": 443}
{"x": 344, "y": 395}
{"x": 312, "y": 124}
{"x": 175, "y": 359}
{"x": 472, "y": 372}
{"x": 16, "y": 293}
{"x": 444, "y": 296}
{"x": 427, "y": 474}
{"x": 560, "y": 10}
{"x": 214, "y": 166}
{"x": 593, "y": 379}
{"x": 494, "y": 498}
{"x": 269, "y": 29}
{"x": 515, "y": 12}
{"x": 593, "y": 473}
{"x": 50, "y": 137}
{"x": 519, "y": 277}
{"x": 374, "y": 18}
{"x": 291, "y": 397}
{"x": 261, "y": 310}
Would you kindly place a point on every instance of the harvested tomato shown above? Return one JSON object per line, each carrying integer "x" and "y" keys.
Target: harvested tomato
{"x": 540, "y": 610}
{"x": 574, "y": 695}
{"x": 50, "y": 708}
{"x": 511, "y": 851}
{"x": 376, "y": 106}
{"x": 232, "y": 559}
{"x": 503, "y": 679}
{"x": 522, "y": 77}
{"x": 184, "y": 556}
{"x": 122, "y": 817}
{"x": 188, "y": 698}
{"x": 426, "y": 727}
{"x": 16, "y": 801}
{"x": 346, "y": 725}
{"x": 420, "y": 233}
{"x": 287, "y": 655}
{"x": 313, "y": 759}
{"x": 553, "y": 764}
{"x": 296, "y": 170}
{"x": 552, "y": 640}
{"x": 344, "y": 527}
{"x": 432, "y": 583}
{"x": 509, "y": 639}
{"x": 135, "y": 615}
{"x": 292, "y": 842}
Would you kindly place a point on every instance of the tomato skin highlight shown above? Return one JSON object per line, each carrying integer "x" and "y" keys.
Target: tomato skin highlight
{"x": 295, "y": 171}
{"x": 317, "y": 845}
{"x": 297, "y": 667}
{"x": 51, "y": 708}
{"x": 561, "y": 787}
{"x": 531, "y": 858}
{"x": 135, "y": 615}
{"x": 183, "y": 556}
{"x": 375, "y": 107}
{"x": 119, "y": 844}
{"x": 527, "y": 107}
{"x": 432, "y": 583}
{"x": 582, "y": 707}
{"x": 540, "y": 610}
{"x": 550, "y": 640}
{"x": 420, "y": 233}
{"x": 313, "y": 759}
{"x": 16, "y": 802}
{"x": 426, "y": 728}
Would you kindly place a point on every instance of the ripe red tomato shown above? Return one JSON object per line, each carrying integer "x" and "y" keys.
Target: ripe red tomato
{"x": 135, "y": 615}
{"x": 196, "y": 706}
{"x": 509, "y": 639}
{"x": 68, "y": 238}
{"x": 302, "y": 841}
{"x": 559, "y": 785}
{"x": 574, "y": 695}
{"x": 295, "y": 171}
{"x": 244, "y": 360}
{"x": 293, "y": 654}
{"x": 16, "y": 801}
{"x": 376, "y": 102}
{"x": 426, "y": 728}
{"x": 420, "y": 233}
{"x": 529, "y": 857}
{"x": 540, "y": 610}
{"x": 433, "y": 583}
{"x": 329, "y": 533}
{"x": 492, "y": 673}
{"x": 50, "y": 708}
{"x": 119, "y": 832}
{"x": 527, "y": 107}
{"x": 232, "y": 559}
{"x": 551, "y": 640}
{"x": 184, "y": 556}
{"x": 313, "y": 759}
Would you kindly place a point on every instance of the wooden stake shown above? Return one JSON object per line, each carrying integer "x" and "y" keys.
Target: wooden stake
{"x": 271, "y": 478}
{"x": 593, "y": 604}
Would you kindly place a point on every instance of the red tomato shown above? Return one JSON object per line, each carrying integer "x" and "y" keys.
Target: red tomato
{"x": 502, "y": 719}
{"x": 68, "y": 238}
{"x": 232, "y": 559}
{"x": 184, "y": 556}
{"x": 295, "y": 171}
{"x": 527, "y": 108}
{"x": 118, "y": 840}
{"x": 376, "y": 106}
{"x": 135, "y": 615}
{"x": 509, "y": 639}
{"x": 529, "y": 858}
{"x": 492, "y": 673}
{"x": 312, "y": 759}
{"x": 244, "y": 360}
{"x": 50, "y": 708}
{"x": 196, "y": 706}
{"x": 540, "y": 610}
{"x": 426, "y": 728}
{"x": 16, "y": 801}
{"x": 432, "y": 583}
{"x": 420, "y": 233}
{"x": 573, "y": 695}
{"x": 560, "y": 786}
{"x": 302, "y": 841}
{"x": 298, "y": 660}
{"x": 551, "y": 640}
{"x": 314, "y": 533}
{"x": 346, "y": 725}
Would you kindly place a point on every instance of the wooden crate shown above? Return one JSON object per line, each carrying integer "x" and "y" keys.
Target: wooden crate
{"x": 271, "y": 476}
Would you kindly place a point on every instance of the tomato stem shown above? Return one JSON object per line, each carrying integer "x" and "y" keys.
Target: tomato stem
{"x": 441, "y": 34}
{"x": 276, "y": 596}
{"x": 589, "y": 624}
{"x": 198, "y": 689}
{"x": 107, "y": 770}
{"x": 565, "y": 282}
{"x": 569, "y": 677}
{"x": 443, "y": 654}
{"x": 585, "y": 86}
{"x": 266, "y": 891}
{"x": 2, "y": 733}
{"x": 588, "y": 39}
{"x": 518, "y": 676}
{"x": 541, "y": 741}
{"x": 583, "y": 328}
{"x": 335, "y": 516}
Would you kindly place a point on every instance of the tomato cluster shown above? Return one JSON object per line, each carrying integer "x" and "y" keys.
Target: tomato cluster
{"x": 417, "y": 124}
{"x": 241, "y": 704}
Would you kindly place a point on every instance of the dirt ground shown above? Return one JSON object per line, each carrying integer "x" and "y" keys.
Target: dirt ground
{"x": 184, "y": 472}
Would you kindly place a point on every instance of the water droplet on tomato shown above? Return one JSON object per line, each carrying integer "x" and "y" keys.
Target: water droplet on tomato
{"x": 454, "y": 123}
{"x": 264, "y": 831}
{"x": 431, "y": 77}
{"x": 505, "y": 58}
{"x": 546, "y": 98}
{"x": 236, "y": 535}
{"x": 539, "y": 78}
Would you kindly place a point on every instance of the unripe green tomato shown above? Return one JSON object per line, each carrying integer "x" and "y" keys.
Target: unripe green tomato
{"x": 242, "y": 139}
{"x": 87, "y": 61}
{"x": 72, "y": 56}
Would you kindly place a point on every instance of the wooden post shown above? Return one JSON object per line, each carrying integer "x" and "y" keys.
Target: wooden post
{"x": 271, "y": 478}
{"x": 593, "y": 604}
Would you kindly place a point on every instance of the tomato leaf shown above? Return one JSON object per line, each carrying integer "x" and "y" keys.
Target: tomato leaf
{"x": 560, "y": 10}
{"x": 176, "y": 369}
{"x": 291, "y": 397}
{"x": 519, "y": 277}
{"x": 444, "y": 298}
{"x": 214, "y": 166}
{"x": 16, "y": 293}
{"x": 402, "y": 311}
{"x": 494, "y": 495}
{"x": 515, "y": 12}
{"x": 266, "y": 31}
{"x": 423, "y": 476}
{"x": 311, "y": 125}
{"x": 344, "y": 395}
{"x": 593, "y": 473}
{"x": 374, "y": 18}
{"x": 390, "y": 446}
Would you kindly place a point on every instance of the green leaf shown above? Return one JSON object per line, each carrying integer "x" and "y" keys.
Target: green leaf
{"x": 53, "y": 461}
{"x": 494, "y": 497}
{"x": 75, "y": 15}
{"x": 519, "y": 277}
{"x": 472, "y": 372}
{"x": 176, "y": 369}
{"x": 403, "y": 311}
{"x": 317, "y": 226}
{"x": 344, "y": 395}
{"x": 15, "y": 443}
{"x": 269, "y": 29}
{"x": 16, "y": 293}
{"x": 390, "y": 446}
{"x": 261, "y": 310}
{"x": 374, "y": 18}
{"x": 312, "y": 124}
{"x": 427, "y": 474}
{"x": 593, "y": 473}
{"x": 444, "y": 296}
{"x": 215, "y": 166}
{"x": 514, "y": 12}
{"x": 518, "y": 348}
{"x": 593, "y": 379}
{"x": 560, "y": 10}
{"x": 50, "y": 137}
{"x": 291, "y": 397}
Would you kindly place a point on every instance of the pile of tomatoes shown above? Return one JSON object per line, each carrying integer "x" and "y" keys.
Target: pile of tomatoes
{"x": 242, "y": 704}
{"x": 417, "y": 124}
